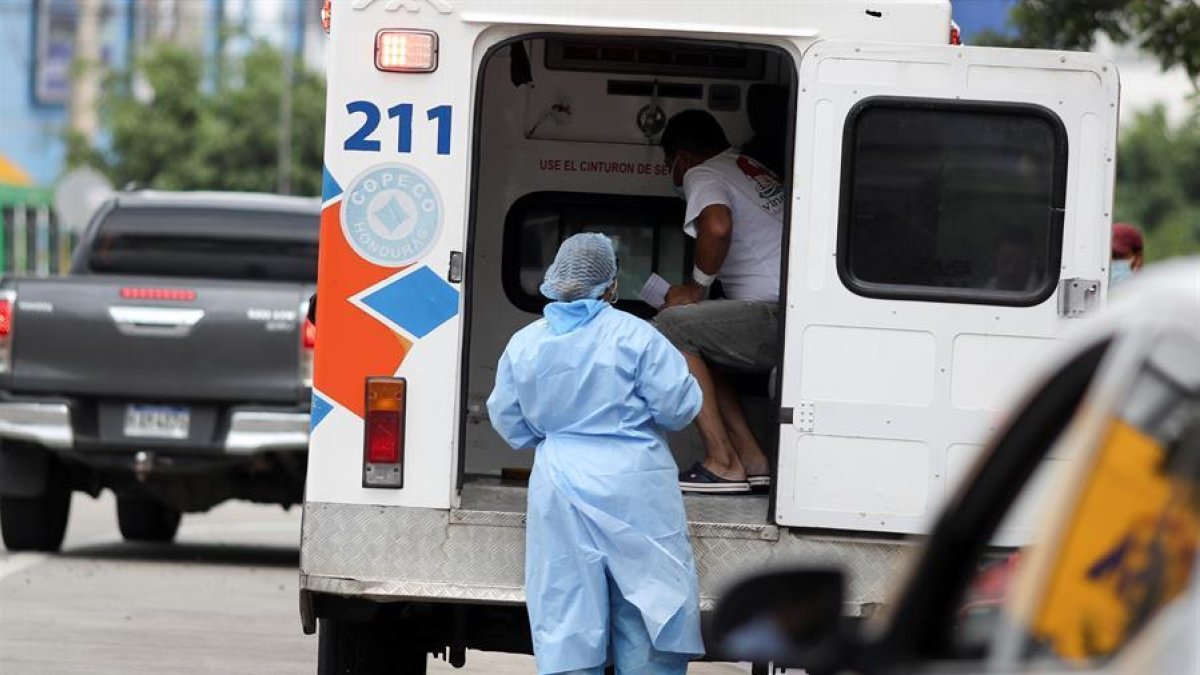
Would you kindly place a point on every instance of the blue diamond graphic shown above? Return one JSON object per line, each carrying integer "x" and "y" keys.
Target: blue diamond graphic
{"x": 392, "y": 215}
{"x": 320, "y": 408}
{"x": 418, "y": 302}
{"x": 329, "y": 185}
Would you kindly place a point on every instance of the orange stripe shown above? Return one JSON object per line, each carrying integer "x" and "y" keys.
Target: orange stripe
{"x": 351, "y": 345}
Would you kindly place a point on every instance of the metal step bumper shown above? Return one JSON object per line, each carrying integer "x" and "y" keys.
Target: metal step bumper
{"x": 476, "y": 553}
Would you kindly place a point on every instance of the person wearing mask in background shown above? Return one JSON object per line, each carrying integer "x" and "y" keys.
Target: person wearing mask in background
{"x": 1126, "y": 253}
{"x": 735, "y": 212}
{"x": 608, "y": 566}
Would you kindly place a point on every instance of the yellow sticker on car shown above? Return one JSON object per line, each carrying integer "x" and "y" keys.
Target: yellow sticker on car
{"x": 1127, "y": 552}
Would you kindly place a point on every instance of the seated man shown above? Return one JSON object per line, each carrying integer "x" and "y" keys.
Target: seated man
{"x": 735, "y": 212}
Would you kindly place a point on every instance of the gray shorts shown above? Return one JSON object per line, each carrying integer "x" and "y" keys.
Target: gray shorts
{"x": 734, "y": 334}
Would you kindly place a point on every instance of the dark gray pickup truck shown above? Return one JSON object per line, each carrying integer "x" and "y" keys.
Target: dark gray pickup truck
{"x": 173, "y": 366}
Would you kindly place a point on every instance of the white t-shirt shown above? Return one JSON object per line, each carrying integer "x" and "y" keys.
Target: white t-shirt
{"x": 755, "y": 198}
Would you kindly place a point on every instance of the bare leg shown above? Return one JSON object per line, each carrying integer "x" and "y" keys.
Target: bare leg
{"x": 721, "y": 457}
{"x": 749, "y": 452}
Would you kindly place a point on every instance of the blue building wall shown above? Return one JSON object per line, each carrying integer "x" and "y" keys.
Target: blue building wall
{"x": 27, "y": 128}
{"x": 31, "y": 132}
{"x": 974, "y": 16}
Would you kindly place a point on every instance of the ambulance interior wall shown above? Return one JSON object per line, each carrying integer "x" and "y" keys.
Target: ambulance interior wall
{"x": 528, "y": 145}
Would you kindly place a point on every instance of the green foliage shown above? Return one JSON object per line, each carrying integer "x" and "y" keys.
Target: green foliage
{"x": 1169, "y": 30}
{"x": 1158, "y": 164}
{"x": 193, "y": 134}
{"x": 1158, "y": 182}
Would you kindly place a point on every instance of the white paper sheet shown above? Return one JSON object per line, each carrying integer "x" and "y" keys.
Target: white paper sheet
{"x": 654, "y": 292}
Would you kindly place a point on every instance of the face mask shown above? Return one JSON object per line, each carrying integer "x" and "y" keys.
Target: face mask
{"x": 1120, "y": 271}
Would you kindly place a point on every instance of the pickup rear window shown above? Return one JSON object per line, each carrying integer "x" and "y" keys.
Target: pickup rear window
{"x": 207, "y": 243}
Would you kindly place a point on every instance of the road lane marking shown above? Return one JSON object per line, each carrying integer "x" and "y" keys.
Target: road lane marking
{"x": 11, "y": 563}
{"x": 261, "y": 527}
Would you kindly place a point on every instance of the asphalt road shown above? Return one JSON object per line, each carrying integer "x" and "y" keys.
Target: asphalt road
{"x": 222, "y": 599}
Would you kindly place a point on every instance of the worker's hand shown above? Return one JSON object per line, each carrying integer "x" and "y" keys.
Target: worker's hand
{"x": 684, "y": 294}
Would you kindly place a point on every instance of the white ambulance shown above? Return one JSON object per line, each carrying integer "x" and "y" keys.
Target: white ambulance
{"x": 949, "y": 211}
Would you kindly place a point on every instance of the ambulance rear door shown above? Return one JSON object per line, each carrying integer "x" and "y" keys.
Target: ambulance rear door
{"x": 951, "y": 214}
{"x": 389, "y": 276}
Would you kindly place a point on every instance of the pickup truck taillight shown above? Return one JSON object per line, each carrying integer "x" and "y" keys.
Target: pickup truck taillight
{"x": 383, "y": 435}
{"x": 170, "y": 294}
{"x": 8, "y": 309}
{"x": 310, "y": 335}
{"x": 308, "y": 344}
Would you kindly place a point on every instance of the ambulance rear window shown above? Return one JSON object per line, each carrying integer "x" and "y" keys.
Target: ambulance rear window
{"x": 952, "y": 201}
{"x": 647, "y": 231}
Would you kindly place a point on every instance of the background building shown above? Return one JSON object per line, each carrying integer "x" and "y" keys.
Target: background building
{"x": 976, "y": 16}
{"x": 40, "y": 41}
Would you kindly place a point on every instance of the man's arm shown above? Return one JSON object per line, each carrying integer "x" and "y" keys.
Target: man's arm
{"x": 714, "y": 231}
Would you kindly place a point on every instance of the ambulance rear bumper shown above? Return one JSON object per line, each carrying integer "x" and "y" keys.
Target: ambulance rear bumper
{"x": 476, "y": 554}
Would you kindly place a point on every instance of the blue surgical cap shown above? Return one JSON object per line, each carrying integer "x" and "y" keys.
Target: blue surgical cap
{"x": 584, "y": 267}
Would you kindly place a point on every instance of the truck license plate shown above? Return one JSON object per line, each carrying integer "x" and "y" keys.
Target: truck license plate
{"x": 157, "y": 421}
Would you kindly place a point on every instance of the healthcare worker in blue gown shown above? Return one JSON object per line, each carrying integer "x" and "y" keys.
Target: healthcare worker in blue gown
{"x": 609, "y": 572}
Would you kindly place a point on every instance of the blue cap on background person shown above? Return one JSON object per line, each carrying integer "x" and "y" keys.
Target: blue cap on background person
{"x": 584, "y": 267}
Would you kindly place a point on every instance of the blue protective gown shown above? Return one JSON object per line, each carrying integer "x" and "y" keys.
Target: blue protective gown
{"x": 592, "y": 388}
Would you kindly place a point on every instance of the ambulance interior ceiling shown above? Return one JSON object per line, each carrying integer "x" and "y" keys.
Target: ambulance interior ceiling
{"x": 568, "y": 142}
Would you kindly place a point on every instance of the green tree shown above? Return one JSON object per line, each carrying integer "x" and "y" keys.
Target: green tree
{"x": 1158, "y": 182}
{"x": 1158, "y": 163}
{"x": 1169, "y": 30}
{"x": 191, "y": 134}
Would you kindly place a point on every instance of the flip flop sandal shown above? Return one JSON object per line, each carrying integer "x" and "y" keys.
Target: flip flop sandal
{"x": 700, "y": 479}
{"x": 759, "y": 483}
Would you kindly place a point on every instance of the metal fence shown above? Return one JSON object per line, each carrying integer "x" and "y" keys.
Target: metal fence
{"x": 31, "y": 240}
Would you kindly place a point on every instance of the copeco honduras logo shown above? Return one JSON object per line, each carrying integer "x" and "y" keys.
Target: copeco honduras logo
{"x": 391, "y": 214}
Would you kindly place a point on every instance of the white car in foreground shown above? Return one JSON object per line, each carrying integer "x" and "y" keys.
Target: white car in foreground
{"x": 1109, "y": 584}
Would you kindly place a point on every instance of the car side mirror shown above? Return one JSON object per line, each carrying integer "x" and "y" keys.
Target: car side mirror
{"x": 789, "y": 618}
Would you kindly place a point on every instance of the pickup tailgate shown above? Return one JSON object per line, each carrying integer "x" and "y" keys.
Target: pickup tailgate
{"x": 159, "y": 339}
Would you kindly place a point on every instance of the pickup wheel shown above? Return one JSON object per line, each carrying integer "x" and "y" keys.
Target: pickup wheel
{"x": 146, "y": 520}
{"x": 345, "y": 647}
{"x": 37, "y": 523}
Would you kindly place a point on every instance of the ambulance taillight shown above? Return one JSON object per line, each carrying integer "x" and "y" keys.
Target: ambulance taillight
{"x": 326, "y": 16}
{"x": 406, "y": 51}
{"x": 383, "y": 442}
